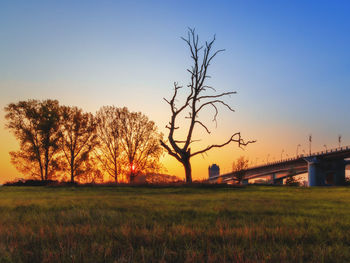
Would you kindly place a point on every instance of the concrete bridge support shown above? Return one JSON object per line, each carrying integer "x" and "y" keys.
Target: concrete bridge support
{"x": 325, "y": 173}
{"x": 316, "y": 175}
{"x": 272, "y": 179}
{"x": 339, "y": 173}
{"x": 275, "y": 180}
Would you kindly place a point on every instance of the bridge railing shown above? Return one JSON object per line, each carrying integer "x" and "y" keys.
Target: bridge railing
{"x": 334, "y": 150}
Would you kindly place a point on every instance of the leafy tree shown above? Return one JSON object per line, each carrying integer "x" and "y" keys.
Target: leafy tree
{"x": 238, "y": 168}
{"x": 35, "y": 124}
{"x": 196, "y": 101}
{"x": 92, "y": 173}
{"x": 78, "y": 139}
{"x": 291, "y": 180}
{"x": 109, "y": 136}
{"x": 140, "y": 143}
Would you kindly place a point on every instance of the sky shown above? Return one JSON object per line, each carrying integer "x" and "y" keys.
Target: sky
{"x": 289, "y": 62}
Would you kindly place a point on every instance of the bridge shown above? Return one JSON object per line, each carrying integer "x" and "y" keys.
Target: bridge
{"x": 323, "y": 168}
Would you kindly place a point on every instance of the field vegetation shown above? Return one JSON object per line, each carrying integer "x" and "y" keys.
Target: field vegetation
{"x": 174, "y": 224}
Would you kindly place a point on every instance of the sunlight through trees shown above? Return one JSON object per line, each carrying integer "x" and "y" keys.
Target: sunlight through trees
{"x": 60, "y": 142}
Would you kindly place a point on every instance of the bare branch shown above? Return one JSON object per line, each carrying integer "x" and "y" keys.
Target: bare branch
{"x": 205, "y": 127}
{"x": 167, "y": 101}
{"x": 239, "y": 140}
{"x": 213, "y": 104}
{"x": 185, "y": 141}
{"x": 169, "y": 150}
{"x": 217, "y": 96}
{"x": 208, "y": 87}
{"x": 217, "y": 52}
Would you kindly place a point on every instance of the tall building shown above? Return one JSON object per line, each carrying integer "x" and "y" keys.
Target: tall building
{"x": 214, "y": 170}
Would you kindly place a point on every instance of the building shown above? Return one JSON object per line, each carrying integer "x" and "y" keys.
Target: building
{"x": 213, "y": 170}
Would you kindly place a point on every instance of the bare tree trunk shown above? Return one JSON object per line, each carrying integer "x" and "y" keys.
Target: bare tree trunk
{"x": 132, "y": 178}
{"x": 116, "y": 176}
{"x": 47, "y": 149}
{"x": 41, "y": 173}
{"x": 115, "y": 169}
{"x": 188, "y": 170}
{"x": 46, "y": 177}
{"x": 72, "y": 168}
{"x": 72, "y": 176}
{"x": 41, "y": 169}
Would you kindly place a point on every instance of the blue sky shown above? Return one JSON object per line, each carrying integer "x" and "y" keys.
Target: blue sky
{"x": 289, "y": 61}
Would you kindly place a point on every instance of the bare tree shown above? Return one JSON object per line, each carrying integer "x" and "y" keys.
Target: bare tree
{"x": 36, "y": 125}
{"x": 140, "y": 143}
{"x": 197, "y": 100}
{"x": 78, "y": 139}
{"x": 238, "y": 168}
{"x": 109, "y": 134}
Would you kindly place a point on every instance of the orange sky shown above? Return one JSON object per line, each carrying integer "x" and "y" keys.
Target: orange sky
{"x": 270, "y": 140}
{"x": 223, "y": 156}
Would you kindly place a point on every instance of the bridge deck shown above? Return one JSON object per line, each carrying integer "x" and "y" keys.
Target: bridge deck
{"x": 298, "y": 164}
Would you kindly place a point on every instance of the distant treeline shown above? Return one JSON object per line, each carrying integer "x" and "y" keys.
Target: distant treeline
{"x": 58, "y": 142}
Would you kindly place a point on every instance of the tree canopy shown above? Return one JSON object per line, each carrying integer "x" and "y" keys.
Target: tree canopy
{"x": 57, "y": 141}
{"x": 35, "y": 124}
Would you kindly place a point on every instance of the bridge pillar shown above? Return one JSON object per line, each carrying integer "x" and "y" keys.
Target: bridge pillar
{"x": 339, "y": 174}
{"x": 245, "y": 181}
{"x": 274, "y": 179}
{"x": 316, "y": 174}
{"x": 323, "y": 172}
{"x": 277, "y": 180}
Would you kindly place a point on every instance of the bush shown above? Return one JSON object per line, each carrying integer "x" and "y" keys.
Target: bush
{"x": 22, "y": 182}
{"x": 291, "y": 181}
{"x": 347, "y": 181}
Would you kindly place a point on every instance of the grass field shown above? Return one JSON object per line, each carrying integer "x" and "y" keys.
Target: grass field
{"x": 179, "y": 224}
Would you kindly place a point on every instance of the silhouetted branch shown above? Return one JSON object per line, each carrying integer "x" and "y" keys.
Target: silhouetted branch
{"x": 217, "y": 96}
{"x": 169, "y": 150}
{"x": 205, "y": 127}
{"x": 199, "y": 73}
{"x": 239, "y": 140}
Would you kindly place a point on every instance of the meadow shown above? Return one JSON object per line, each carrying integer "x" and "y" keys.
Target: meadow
{"x": 174, "y": 224}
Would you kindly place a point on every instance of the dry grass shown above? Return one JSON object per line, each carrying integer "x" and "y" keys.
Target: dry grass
{"x": 139, "y": 224}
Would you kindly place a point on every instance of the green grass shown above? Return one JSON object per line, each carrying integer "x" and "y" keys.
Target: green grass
{"x": 140, "y": 224}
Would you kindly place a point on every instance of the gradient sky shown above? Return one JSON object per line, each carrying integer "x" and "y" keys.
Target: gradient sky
{"x": 289, "y": 61}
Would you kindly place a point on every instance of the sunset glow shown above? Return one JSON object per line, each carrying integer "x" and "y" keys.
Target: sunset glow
{"x": 289, "y": 64}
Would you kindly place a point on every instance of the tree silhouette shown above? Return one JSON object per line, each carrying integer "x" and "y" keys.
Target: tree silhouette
{"x": 291, "y": 180}
{"x": 92, "y": 173}
{"x": 140, "y": 143}
{"x": 36, "y": 125}
{"x": 238, "y": 167}
{"x": 109, "y": 135}
{"x": 78, "y": 138}
{"x": 196, "y": 101}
